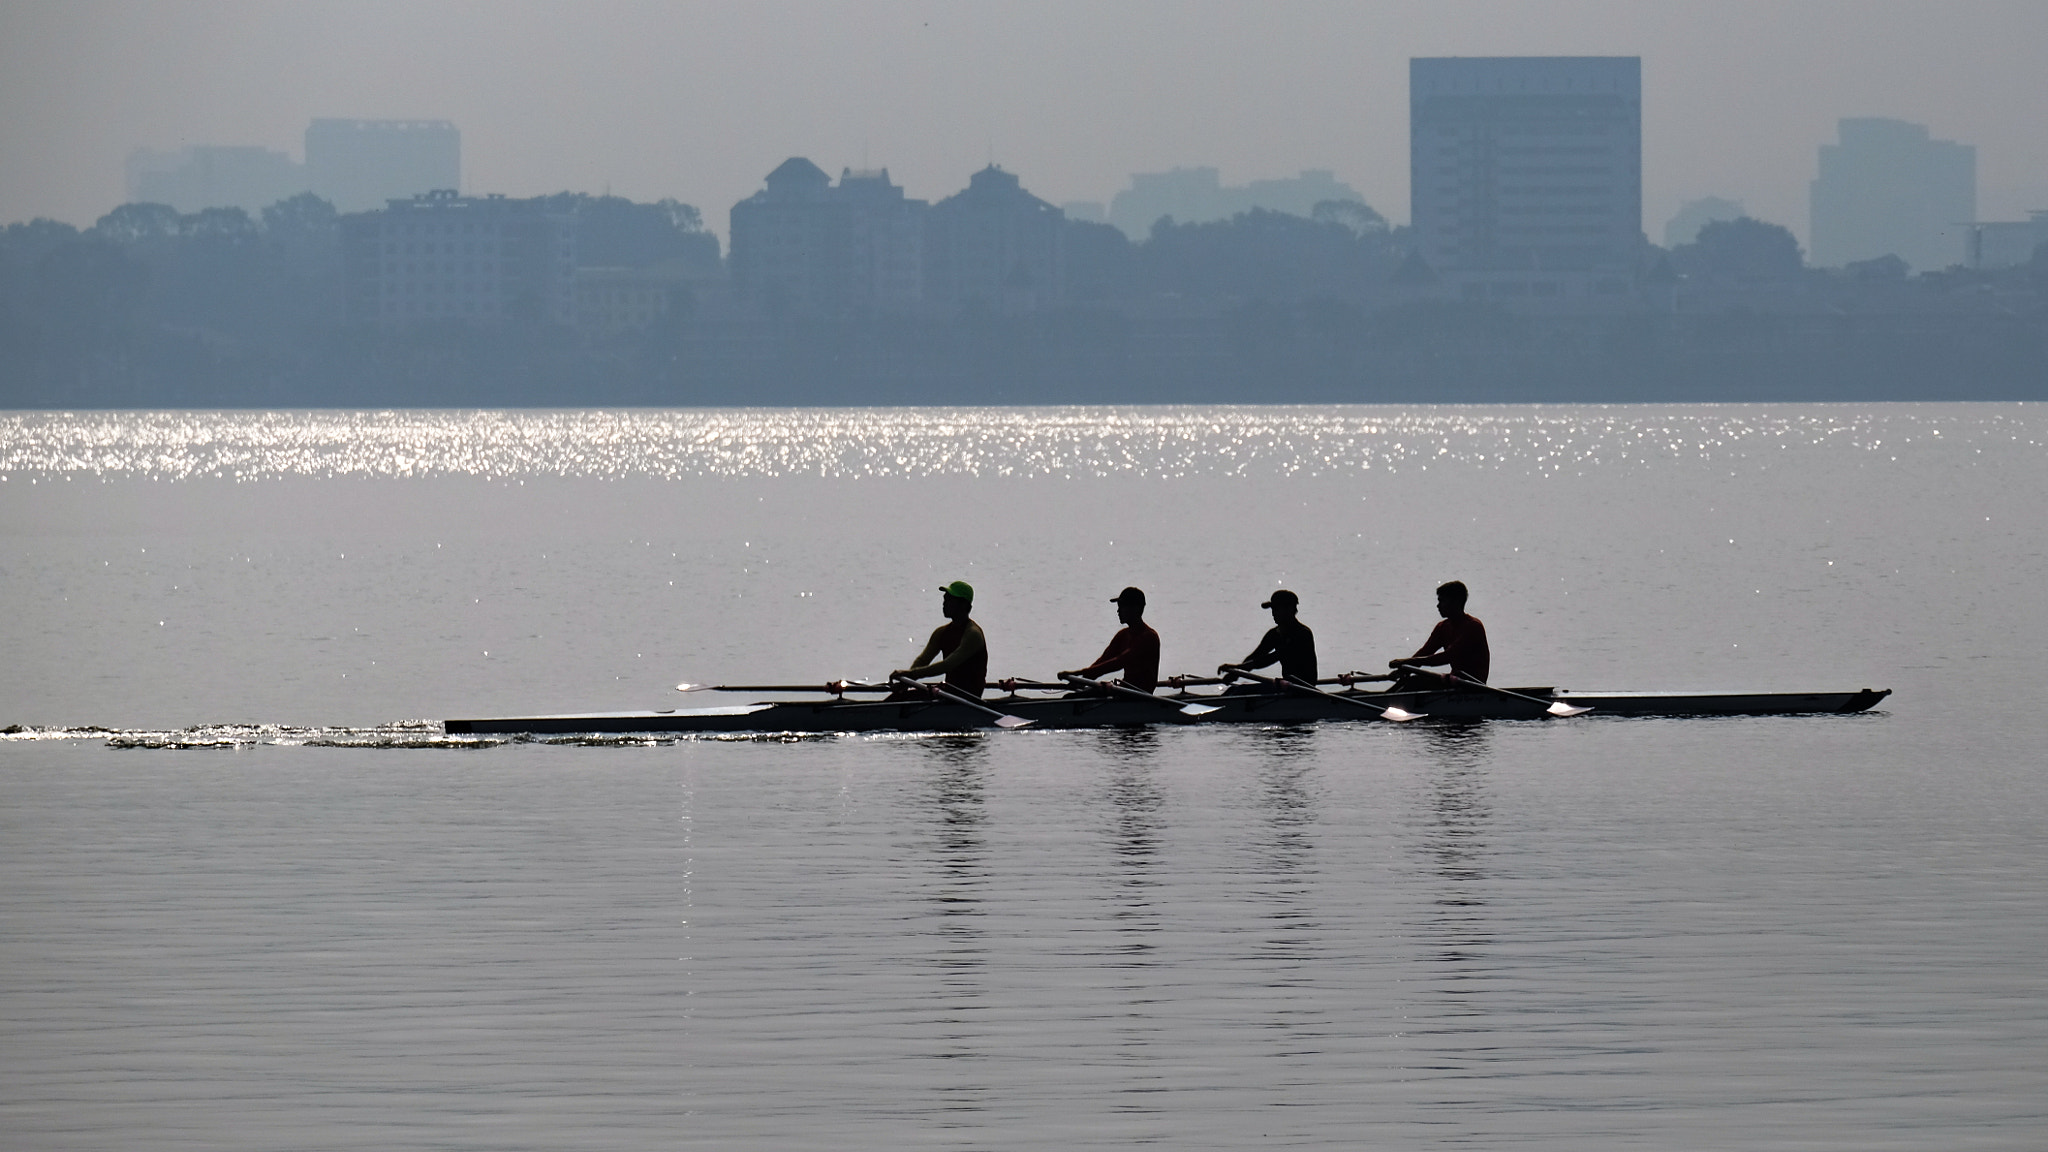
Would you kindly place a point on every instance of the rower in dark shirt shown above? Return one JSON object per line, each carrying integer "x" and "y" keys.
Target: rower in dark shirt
{"x": 959, "y": 641}
{"x": 1458, "y": 640}
{"x": 1288, "y": 641}
{"x": 1134, "y": 649}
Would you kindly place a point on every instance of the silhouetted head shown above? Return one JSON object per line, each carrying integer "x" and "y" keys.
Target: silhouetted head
{"x": 1284, "y": 605}
{"x": 1450, "y": 599}
{"x": 958, "y": 600}
{"x": 1130, "y": 605}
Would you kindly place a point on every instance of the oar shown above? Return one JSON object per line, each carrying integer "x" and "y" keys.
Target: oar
{"x": 1553, "y": 707}
{"x": 1346, "y": 678}
{"x": 1003, "y": 719}
{"x": 1389, "y": 712}
{"x": 1133, "y": 693}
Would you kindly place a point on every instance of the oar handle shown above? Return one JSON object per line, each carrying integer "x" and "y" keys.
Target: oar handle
{"x": 942, "y": 692}
{"x": 1013, "y": 683}
{"x": 1385, "y": 712}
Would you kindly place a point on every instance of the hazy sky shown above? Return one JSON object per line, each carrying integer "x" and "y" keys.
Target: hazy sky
{"x": 699, "y": 100}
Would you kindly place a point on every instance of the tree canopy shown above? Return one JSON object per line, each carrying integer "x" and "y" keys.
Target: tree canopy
{"x": 1744, "y": 249}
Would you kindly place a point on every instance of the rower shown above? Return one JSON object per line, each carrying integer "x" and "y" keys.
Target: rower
{"x": 1459, "y": 640}
{"x": 1288, "y": 641}
{"x": 960, "y": 643}
{"x": 1134, "y": 649}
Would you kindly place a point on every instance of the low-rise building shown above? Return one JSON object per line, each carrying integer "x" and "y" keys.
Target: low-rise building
{"x": 615, "y": 301}
{"x": 442, "y": 256}
{"x": 2006, "y": 244}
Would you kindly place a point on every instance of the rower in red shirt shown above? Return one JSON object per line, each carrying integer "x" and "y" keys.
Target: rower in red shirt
{"x": 1134, "y": 649}
{"x": 1458, "y": 640}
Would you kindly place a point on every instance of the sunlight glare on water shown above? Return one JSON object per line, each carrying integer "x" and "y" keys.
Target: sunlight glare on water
{"x": 252, "y": 896}
{"x": 1002, "y": 442}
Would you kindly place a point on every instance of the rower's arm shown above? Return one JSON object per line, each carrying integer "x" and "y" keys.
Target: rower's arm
{"x": 1435, "y": 650}
{"x": 1266, "y": 653}
{"x": 1113, "y": 657}
{"x": 922, "y": 666}
{"x": 971, "y": 645}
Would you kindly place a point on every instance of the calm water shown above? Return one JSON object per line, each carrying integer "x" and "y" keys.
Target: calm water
{"x": 251, "y": 898}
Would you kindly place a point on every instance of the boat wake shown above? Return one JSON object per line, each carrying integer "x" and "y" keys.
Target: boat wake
{"x": 399, "y": 734}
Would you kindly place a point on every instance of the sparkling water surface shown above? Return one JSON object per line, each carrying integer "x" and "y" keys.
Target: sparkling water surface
{"x": 253, "y": 898}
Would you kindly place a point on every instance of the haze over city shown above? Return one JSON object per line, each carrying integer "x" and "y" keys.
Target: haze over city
{"x": 698, "y": 102}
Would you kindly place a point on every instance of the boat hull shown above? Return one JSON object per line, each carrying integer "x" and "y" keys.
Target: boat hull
{"x": 801, "y": 716}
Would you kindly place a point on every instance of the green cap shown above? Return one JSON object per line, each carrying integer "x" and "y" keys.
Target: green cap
{"x": 960, "y": 590}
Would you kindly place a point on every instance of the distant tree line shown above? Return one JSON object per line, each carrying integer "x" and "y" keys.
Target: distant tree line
{"x": 152, "y": 308}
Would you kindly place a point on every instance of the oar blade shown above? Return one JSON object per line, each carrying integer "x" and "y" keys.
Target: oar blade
{"x": 688, "y": 687}
{"x": 1198, "y": 709}
{"x": 1013, "y": 722}
{"x": 1400, "y": 715}
{"x": 1560, "y": 708}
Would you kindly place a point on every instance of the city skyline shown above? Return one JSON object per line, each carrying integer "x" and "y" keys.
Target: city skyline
{"x": 651, "y": 101}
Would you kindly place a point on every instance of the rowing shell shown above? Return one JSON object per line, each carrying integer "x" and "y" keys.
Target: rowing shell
{"x": 1109, "y": 712}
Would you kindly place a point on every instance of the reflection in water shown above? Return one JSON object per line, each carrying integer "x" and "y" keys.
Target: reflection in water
{"x": 957, "y": 807}
{"x": 1454, "y": 846}
{"x": 1131, "y": 954}
{"x": 1135, "y": 802}
{"x": 1286, "y": 847}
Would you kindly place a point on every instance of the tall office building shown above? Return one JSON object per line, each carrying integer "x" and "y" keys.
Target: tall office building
{"x": 1887, "y": 189}
{"x": 357, "y": 165}
{"x": 1526, "y": 173}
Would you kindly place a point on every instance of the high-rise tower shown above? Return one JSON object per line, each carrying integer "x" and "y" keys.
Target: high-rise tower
{"x": 1887, "y": 189}
{"x": 357, "y": 165}
{"x": 1526, "y": 172}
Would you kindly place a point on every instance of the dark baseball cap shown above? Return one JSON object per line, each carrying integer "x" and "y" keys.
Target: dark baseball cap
{"x": 1134, "y": 595}
{"x": 1284, "y": 598}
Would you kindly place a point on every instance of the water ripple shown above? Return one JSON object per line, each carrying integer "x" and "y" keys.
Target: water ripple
{"x": 1164, "y": 442}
